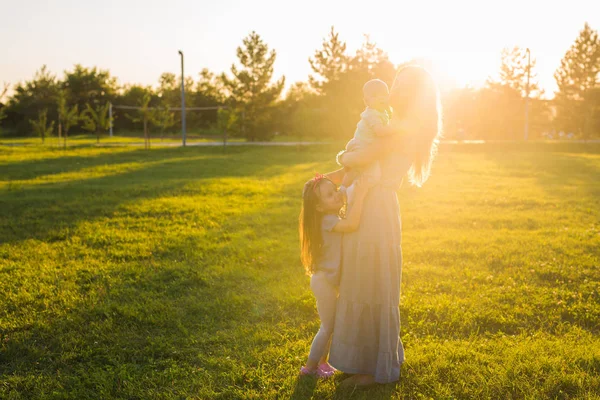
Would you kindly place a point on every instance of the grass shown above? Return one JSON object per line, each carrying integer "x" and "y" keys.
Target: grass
{"x": 90, "y": 140}
{"x": 174, "y": 273}
{"x": 134, "y": 138}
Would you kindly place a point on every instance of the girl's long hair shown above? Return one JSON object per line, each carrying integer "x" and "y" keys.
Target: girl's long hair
{"x": 414, "y": 97}
{"x": 311, "y": 239}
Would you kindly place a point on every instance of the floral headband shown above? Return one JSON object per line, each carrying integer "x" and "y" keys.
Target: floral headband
{"x": 318, "y": 178}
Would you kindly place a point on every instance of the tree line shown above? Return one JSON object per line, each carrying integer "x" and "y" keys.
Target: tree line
{"x": 327, "y": 105}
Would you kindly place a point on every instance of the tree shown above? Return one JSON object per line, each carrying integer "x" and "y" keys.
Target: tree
{"x": 578, "y": 74}
{"x": 210, "y": 88}
{"x": 144, "y": 115}
{"x": 329, "y": 62}
{"x": 373, "y": 62}
{"x": 298, "y": 112}
{"x": 40, "y": 126}
{"x": 163, "y": 118}
{"x": 67, "y": 117}
{"x": 96, "y": 120}
{"x": 133, "y": 95}
{"x": 210, "y": 92}
{"x": 29, "y": 98}
{"x": 461, "y": 117}
{"x": 2, "y": 94}
{"x": 169, "y": 89}
{"x": 227, "y": 121}
{"x": 338, "y": 80}
{"x": 592, "y": 120}
{"x": 497, "y": 110}
{"x": 250, "y": 90}
{"x": 89, "y": 86}
{"x": 514, "y": 66}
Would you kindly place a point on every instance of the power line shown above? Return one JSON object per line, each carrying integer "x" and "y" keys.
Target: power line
{"x": 174, "y": 108}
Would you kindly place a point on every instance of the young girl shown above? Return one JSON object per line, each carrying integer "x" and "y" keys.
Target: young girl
{"x": 321, "y": 231}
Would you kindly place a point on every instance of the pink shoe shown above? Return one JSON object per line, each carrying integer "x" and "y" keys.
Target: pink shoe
{"x": 326, "y": 370}
{"x": 305, "y": 371}
{"x": 319, "y": 372}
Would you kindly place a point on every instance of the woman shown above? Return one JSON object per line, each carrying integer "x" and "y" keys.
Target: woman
{"x": 366, "y": 339}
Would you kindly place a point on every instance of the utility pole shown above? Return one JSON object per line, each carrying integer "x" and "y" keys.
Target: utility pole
{"x": 110, "y": 119}
{"x": 182, "y": 100}
{"x": 527, "y": 94}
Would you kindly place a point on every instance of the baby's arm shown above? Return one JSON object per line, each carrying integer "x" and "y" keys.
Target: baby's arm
{"x": 376, "y": 123}
{"x": 352, "y": 220}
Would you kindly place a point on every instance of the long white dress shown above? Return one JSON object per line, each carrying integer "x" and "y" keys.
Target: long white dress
{"x": 366, "y": 336}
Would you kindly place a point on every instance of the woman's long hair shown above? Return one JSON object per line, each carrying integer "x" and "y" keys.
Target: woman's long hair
{"x": 311, "y": 239}
{"x": 415, "y": 99}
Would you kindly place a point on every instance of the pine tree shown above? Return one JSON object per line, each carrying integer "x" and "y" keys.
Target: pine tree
{"x": 513, "y": 72}
{"x": 338, "y": 80}
{"x": 373, "y": 62}
{"x": 504, "y": 98}
{"x": 329, "y": 62}
{"x": 251, "y": 92}
{"x": 578, "y": 73}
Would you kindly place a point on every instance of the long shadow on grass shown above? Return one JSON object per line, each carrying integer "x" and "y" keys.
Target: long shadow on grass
{"x": 153, "y": 323}
{"x": 188, "y": 318}
{"x": 48, "y": 211}
{"x": 72, "y": 161}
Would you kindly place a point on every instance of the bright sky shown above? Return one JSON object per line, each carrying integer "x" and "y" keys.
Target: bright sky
{"x": 138, "y": 40}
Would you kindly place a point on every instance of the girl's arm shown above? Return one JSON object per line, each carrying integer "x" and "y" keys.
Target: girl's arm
{"x": 352, "y": 220}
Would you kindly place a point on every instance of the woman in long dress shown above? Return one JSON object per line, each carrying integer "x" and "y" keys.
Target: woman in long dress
{"x": 366, "y": 339}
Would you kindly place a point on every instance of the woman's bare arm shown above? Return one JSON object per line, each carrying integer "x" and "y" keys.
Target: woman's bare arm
{"x": 365, "y": 156}
{"x": 336, "y": 176}
{"x": 380, "y": 148}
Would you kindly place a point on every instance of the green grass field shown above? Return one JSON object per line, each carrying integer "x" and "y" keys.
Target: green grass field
{"x": 91, "y": 140}
{"x": 174, "y": 273}
{"x": 129, "y": 138}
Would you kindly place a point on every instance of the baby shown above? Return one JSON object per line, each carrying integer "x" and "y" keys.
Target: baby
{"x": 371, "y": 126}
